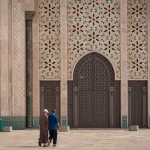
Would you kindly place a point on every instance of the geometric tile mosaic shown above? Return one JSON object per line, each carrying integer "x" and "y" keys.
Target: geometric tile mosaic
{"x": 49, "y": 29}
{"x": 17, "y": 122}
{"x": 137, "y": 39}
{"x": 94, "y": 25}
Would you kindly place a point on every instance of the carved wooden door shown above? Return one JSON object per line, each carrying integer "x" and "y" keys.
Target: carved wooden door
{"x": 50, "y": 96}
{"x": 138, "y": 103}
{"x": 94, "y": 95}
{"x": 93, "y": 101}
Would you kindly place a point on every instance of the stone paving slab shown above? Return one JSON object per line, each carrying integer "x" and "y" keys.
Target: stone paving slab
{"x": 81, "y": 139}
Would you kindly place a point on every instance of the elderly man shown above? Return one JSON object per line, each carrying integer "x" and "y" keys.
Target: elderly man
{"x": 43, "y": 122}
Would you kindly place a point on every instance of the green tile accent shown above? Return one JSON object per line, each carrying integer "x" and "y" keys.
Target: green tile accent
{"x": 1, "y": 125}
{"x": 64, "y": 121}
{"x": 124, "y": 122}
{"x": 18, "y": 123}
{"x": 35, "y": 122}
{"x": 149, "y": 122}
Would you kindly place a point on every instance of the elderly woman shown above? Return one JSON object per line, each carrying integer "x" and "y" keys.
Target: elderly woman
{"x": 43, "y": 122}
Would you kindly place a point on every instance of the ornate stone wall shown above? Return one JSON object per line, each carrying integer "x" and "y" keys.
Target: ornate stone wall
{"x": 49, "y": 22}
{"x": 19, "y": 58}
{"x": 93, "y": 26}
{"x": 137, "y": 39}
{"x": 19, "y": 8}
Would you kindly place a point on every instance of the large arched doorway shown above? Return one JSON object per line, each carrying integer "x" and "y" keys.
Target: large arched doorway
{"x": 94, "y": 95}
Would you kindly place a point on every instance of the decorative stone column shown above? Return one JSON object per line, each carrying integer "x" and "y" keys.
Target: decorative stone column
{"x": 144, "y": 98}
{"x": 129, "y": 103}
{"x": 29, "y": 69}
{"x": 75, "y": 107}
{"x": 111, "y": 107}
{"x": 63, "y": 48}
{"x": 148, "y": 13}
{"x": 4, "y": 58}
{"x": 124, "y": 60}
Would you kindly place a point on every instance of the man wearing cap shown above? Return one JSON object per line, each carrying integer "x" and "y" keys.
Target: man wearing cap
{"x": 53, "y": 126}
{"x": 43, "y": 122}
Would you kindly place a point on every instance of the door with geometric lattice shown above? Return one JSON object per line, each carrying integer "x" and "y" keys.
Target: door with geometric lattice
{"x": 93, "y": 101}
{"x": 138, "y": 103}
{"x": 50, "y": 96}
{"x": 96, "y": 94}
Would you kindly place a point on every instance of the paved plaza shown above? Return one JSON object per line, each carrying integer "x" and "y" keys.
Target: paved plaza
{"x": 85, "y": 139}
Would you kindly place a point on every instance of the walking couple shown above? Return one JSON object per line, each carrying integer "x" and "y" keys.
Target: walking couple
{"x": 51, "y": 123}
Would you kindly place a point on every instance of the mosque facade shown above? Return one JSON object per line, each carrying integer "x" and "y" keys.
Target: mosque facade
{"x": 88, "y": 59}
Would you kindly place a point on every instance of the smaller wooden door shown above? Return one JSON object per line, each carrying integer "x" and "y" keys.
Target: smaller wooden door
{"x": 138, "y": 103}
{"x": 50, "y": 96}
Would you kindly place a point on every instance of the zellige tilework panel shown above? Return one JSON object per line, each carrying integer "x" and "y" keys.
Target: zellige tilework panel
{"x": 94, "y": 25}
{"x": 49, "y": 39}
{"x": 137, "y": 39}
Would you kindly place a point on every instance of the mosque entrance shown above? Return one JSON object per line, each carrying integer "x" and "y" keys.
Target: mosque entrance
{"x": 94, "y": 95}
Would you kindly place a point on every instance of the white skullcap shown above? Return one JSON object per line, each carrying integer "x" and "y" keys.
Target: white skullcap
{"x": 45, "y": 110}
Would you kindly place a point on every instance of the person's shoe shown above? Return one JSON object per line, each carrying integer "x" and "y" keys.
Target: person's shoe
{"x": 39, "y": 143}
{"x": 49, "y": 143}
{"x": 54, "y": 145}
